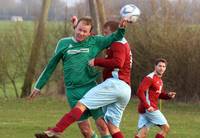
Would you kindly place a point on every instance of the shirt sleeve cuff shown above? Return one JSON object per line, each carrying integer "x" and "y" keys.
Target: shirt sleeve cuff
{"x": 36, "y": 89}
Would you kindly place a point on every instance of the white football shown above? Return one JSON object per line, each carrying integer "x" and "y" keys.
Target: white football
{"x": 130, "y": 12}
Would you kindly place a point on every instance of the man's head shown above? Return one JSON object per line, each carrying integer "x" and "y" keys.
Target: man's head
{"x": 83, "y": 28}
{"x": 109, "y": 27}
{"x": 160, "y": 66}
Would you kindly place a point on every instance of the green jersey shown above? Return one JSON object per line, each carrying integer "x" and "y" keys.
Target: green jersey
{"x": 75, "y": 56}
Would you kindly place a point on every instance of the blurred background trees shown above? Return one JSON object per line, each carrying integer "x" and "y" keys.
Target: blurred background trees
{"x": 166, "y": 28}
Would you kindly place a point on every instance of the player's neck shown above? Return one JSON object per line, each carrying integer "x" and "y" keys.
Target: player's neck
{"x": 158, "y": 74}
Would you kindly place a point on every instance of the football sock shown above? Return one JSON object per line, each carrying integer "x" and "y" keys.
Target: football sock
{"x": 94, "y": 135}
{"x": 107, "y": 136}
{"x": 136, "y": 137}
{"x": 118, "y": 135}
{"x": 159, "y": 136}
{"x": 67, "y": 120}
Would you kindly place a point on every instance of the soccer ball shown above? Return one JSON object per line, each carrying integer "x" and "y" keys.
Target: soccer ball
{"x": 130, "y": 12}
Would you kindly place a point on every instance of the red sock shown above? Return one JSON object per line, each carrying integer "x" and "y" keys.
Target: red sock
{"x": 159, "y": 136}
{"x": 136, "y": 136}
{"x": 67, "y": 120}
{"x": 119, "y": 134}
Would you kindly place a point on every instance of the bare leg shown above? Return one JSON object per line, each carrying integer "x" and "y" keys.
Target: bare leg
{"x": 86, "y": 129}
{"x": 143, "y": 132}
{"x": 164, "y": 130}
{"x": 115, "y": 131}
{"x": 102, "y": 127}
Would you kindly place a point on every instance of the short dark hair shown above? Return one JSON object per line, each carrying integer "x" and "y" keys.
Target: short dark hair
{"x": 112, "y": 24}
{"x": 158, "y": 60}
{"x": 87, "y": 20}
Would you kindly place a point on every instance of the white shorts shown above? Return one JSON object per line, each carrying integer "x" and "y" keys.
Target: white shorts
{"x": 113, "y": 95}
{"x": 151, "y": 118}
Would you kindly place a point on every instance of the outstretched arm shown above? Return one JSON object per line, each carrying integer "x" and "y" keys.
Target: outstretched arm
{"x": 166, "y": 96}
{"x": 105, "y": 41}
{"x": 46, "y": 74}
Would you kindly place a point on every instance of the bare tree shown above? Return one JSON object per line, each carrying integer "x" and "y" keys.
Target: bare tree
{"x": 26, "y": 89}
{"x": 101, "y": 12}
{"x": 94, "y": 14}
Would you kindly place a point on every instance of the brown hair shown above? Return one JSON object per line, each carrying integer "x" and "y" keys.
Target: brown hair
{"x": 112, "y": 24}
{"x": 158, "y": 60}
{"x": 87, "y": 21}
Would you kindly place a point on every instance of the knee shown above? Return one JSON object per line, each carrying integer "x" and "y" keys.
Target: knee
{"x": 166, "y": 128}
{"x": 143, "y": 132}
{"x": 86, "y": 132}
{"x": 103, "y": 128}
{"x": 143, "y": 135}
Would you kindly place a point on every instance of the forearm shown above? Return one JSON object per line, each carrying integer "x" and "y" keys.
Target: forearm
{"x": 107, "y": 63}
{"x": 47, "y": 72}
{"x": 164, "y": 96}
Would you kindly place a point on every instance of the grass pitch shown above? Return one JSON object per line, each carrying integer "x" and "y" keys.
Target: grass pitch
{"x": 20, "y": 118}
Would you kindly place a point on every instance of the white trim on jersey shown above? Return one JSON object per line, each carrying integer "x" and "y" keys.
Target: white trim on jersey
{"x": 39, "y": 78}
{"x": 147, "y": 91}
{"x": 123, "y": 41}
{"x": 151, "y": 75}
{"x": 60, "y": 41}
{"x": 115, "y": 73}
{"x": 147, "y": 96}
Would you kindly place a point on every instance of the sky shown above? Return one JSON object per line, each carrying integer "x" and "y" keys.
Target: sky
{"x": 71, "y": 2}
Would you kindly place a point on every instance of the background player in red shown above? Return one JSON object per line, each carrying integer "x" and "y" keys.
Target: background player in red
{"x": 149, "y": 91}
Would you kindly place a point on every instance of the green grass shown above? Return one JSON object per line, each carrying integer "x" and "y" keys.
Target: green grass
{"x": 22, "y": 118}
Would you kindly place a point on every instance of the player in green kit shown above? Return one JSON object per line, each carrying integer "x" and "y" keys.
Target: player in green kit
{"x": 79, "y": 77}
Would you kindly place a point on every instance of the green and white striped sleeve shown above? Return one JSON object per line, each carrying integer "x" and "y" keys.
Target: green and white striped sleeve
{"x": 105, "y": 41}
{"x": 48, "y": 70}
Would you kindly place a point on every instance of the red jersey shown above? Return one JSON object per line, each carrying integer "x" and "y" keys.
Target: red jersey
{"x": 118, "y": 61}
{"x": 149, "y": 91}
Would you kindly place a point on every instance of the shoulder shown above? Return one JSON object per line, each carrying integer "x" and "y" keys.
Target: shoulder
{"x": 122, "y": 41}
{"x": 151, "y": 75}
{"x": 63, "y": 42}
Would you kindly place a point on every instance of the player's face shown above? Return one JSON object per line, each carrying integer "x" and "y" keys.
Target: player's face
{"x": 82, "y": 31}
{"x": 160, "y": 68}
{"x": 107, "y": 31}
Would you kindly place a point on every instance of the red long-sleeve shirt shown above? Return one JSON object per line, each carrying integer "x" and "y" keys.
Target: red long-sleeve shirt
{"x": 149, "y": 91}
{"x": 117, "y": 62}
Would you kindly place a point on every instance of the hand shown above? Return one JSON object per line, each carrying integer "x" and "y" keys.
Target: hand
{"x": 172, "y": 94}
{"x": 123, "y": 23}
{"x": 34, "y": 93}
{"x": 150, "y": 109}
{"x": 91, "y": 62}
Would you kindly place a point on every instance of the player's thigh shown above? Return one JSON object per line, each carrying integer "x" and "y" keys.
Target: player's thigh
{"x": 96, "y": 113}
{"x": 75, "y": 94}
{"x": 156, "y": 117}
{"x": 101, "y": 95}
{"x": 143, "y": 121}
{"x": 113, "y": 114}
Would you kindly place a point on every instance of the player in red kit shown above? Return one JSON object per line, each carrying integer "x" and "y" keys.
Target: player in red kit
{"x": 114, "y": 93}
{"x": 149, "y": 91}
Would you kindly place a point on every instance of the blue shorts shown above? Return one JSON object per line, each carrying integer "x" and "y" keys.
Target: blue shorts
{"x": 151, "y": 118}
{"x": 113, "y": 95}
